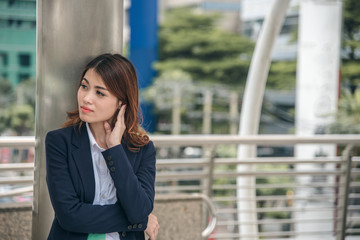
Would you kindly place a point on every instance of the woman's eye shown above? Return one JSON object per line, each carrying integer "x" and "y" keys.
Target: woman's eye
{"x": 100, "y": 93}
{"x": 83, "y": 86}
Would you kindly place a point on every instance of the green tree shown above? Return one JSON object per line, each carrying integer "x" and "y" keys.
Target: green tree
{"x": 21, "y": 118}
{"x": 6, "y": 92}
{"x": 17, "y": 107}
{"x": 282, "y": 75}
{"x": 191, "y": 42}
{"x": 6, "y": 98}
{"x": 351, "y": 41}
{"x": 347, "y": 118}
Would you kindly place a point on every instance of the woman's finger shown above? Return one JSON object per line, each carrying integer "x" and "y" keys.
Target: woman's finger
{"x": 107, "y": 127}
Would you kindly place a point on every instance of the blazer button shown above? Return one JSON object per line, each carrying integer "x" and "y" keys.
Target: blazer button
{"x": 112, "y": 169}
{"x": 123, "y": 234}
{"x": 135, "y": 226}
{"x": 140, "y": 225}
{"x": 129, "y": 227}
{"x": 111, "y": 163}
{"x": 109, "y": 157}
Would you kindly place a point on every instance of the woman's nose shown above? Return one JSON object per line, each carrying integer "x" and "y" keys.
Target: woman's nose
{"x": 87, "y": 98}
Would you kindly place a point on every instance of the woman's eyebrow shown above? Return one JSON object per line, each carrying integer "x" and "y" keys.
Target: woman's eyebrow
{"x": 85, "y": 80}
{"x": 99, "y": 87}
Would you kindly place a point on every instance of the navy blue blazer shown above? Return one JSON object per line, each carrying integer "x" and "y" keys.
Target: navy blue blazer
{"x": 71, "y": 184}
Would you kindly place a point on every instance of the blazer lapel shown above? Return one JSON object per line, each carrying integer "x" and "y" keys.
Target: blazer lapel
{"x": 83, "y": 160}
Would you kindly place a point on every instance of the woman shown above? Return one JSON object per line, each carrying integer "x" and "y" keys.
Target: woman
{"x": 101, "y": 165}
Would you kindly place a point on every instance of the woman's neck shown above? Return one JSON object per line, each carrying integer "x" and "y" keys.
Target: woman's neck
{"x": 98, "y": 131}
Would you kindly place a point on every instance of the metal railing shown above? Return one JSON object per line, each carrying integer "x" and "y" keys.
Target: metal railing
{"x": 331, "y": 198}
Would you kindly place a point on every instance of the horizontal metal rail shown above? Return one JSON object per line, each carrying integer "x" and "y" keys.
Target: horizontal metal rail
{"x": 205, "y": 140}
{"x": 234, "y": 187}
{"x": 179, "y": 188}
{"x": 353, "y": 230}
{"x": 276, "y": 209}
{"x": 17, "y": 191}
{"x": 193, "y": 175}
{"x": 203, "y": 162}
{"x": 17, "y": 142}
{"x": 286, "y": 221}
{"x": 277, "y": 198}
{"x": 270, "y": 234}
{"x": 263, "y": 140}
{"x": 279, "y": 185}
{"x": 278, "y": 221}
{"x": 17, "y": 167}
{"x": 17, "y": 180}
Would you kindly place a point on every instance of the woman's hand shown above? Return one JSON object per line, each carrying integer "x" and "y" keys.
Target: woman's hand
{"x": 114, "y": 137}
{"x": 152, "y": 227}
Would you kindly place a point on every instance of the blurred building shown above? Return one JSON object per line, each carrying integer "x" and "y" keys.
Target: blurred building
{"x": 17, "y": 40}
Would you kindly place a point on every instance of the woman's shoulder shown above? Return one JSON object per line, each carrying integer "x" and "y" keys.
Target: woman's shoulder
{"x": 63, "y": 132}
{"x": 149, "y": 147}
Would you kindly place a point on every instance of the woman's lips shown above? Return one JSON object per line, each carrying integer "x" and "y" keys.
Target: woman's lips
{"x": 85, "y": 109}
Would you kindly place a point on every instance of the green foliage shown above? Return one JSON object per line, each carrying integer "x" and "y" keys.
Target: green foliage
{"x": 5, "y": 87}
{"x": 352, "y": 26}
{"x": 282, "y": 75}
{"x": 347, "y": 119}
{"x": 351, "y": 73}
{"x": 19, "y": 118}
{"x": 26, "y": 91}
{"x": 351, "y": 29}
{"x": 191, "y": 42}
{"x": 161, "y": 92}
{"x": 6, "y": 93}
{"x": 17, "y": 111}
{"x": 347, "y": 116}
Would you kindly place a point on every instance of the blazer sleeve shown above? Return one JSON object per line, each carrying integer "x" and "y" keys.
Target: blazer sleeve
{"x": 72, "y": 214}
{"x": 135, "y": 190}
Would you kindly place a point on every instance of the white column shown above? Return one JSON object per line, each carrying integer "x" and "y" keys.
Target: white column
{"x": 316, "y": 96}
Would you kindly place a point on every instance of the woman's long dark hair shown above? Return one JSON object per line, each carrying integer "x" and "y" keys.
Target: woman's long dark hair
{"x": 120, "y": 78}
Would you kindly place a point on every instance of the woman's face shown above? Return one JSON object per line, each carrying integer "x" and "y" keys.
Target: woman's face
{"x": 95, "y": 102}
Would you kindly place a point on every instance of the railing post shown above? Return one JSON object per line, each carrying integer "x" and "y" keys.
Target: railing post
{"x": 209, "y": 153}
{"x": 344, "y": 185}
{"x": 211, "y": 156}
{"x": 234, "y": 114}
{"x": 176, "y": 111}
{"x": 207, "y": 110}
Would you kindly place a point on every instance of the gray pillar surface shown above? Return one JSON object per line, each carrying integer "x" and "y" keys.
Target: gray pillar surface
{"x": 69, "y": 33}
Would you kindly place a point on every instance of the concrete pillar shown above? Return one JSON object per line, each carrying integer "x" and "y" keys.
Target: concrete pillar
{"x": 317, "y": 86}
